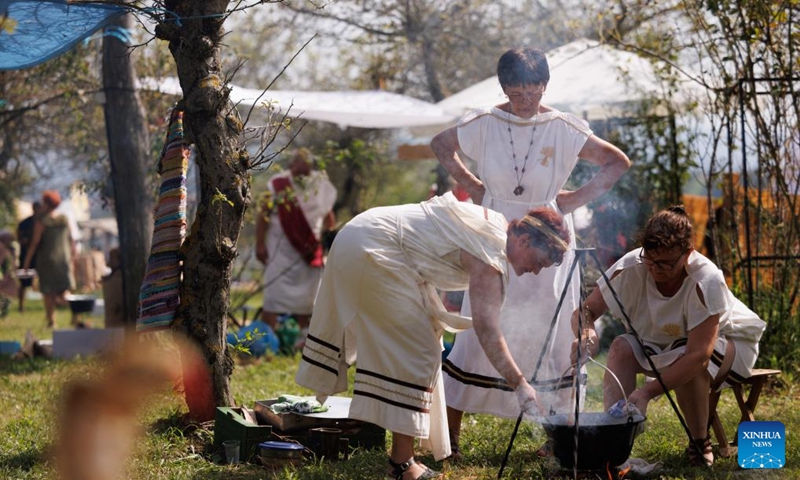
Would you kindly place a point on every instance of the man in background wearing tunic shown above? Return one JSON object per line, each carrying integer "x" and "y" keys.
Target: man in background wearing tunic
{"x": 297, "y": 208}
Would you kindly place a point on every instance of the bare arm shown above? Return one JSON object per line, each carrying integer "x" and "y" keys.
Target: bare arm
{"x": 593, "y": 308}
{"x": 613, "y": 164}
{"x": 486, "y": 294}
{"x": 445, "y": 147}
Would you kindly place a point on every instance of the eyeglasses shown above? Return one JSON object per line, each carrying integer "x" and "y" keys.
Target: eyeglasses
{"x": 519, "y": 96}
{"x": 660, "y": 264}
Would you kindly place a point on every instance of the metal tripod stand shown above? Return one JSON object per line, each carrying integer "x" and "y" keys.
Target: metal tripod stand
{"x": 580, "y": 254}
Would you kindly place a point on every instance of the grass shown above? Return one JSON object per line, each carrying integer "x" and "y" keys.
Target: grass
{"x": 30, "y": 394}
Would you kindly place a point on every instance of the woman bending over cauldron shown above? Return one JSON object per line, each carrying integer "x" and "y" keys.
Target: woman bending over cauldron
{"x": 695, "y": 331}
{"x": 378, "y": 294}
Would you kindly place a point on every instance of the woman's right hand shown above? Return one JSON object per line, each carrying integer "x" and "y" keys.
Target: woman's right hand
{"x": 590, "y": 345}
{"x": 528, "y": 400}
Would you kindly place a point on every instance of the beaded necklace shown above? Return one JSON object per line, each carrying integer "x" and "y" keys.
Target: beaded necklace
{"x": 519, "y": 173}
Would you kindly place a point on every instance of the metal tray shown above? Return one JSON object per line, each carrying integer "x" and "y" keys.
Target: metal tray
{"x": 337, "y": 412}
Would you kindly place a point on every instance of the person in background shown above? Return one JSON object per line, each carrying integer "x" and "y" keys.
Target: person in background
{"x": 24, "y": 237}
{"x": 54, "y": 248}
{"x": 298, "y": 207}
{"x": 695, "y": 331}
{"x": 378, "y": 302}
{"x": 524, "y": 153}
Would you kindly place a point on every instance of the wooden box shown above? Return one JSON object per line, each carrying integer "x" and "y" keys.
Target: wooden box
{"x": 230, "y": 424}
{"x": 295, "y": 426}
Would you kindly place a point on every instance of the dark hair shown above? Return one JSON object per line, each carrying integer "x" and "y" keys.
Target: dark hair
{"x": 522, "y": 66}
{"x": 668, "y": 229}
{"x": 540, "y": 239}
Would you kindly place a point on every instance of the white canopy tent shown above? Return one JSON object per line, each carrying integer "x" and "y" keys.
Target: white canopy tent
{"x": 364, "y": 109}
{"x": 588, "y": 79}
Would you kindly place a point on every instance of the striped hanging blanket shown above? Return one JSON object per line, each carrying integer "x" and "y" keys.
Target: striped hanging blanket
{"x": 158, "y": 298}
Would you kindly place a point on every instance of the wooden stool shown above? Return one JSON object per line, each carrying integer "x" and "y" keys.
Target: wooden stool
{"x": 756, "y": 381}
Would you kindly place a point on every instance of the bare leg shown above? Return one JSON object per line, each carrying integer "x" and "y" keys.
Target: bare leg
{"x": 303, "y": 321}
{"x": 692, "y": 396}
{"x": 60, "y": 299}
{"x": 270, "y": 318}
{"x": 50, "y": 308}
{"x": 621, "y": 361}
{"x": 454, "y": 427}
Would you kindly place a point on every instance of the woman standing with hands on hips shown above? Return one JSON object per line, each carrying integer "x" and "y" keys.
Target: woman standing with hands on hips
{"x": 525, "y": 153}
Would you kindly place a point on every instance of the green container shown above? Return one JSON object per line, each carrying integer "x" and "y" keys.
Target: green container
{"x": 231, "y": 424}
{"x": 287, "y": 332}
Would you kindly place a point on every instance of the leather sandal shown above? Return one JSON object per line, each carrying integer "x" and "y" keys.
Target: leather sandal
{"x": 702, "y": 458}
{"x": 400, "y": 469}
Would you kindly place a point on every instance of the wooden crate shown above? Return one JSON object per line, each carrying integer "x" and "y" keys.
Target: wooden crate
{"x": 359, "y": 434}
{"x": 295, "y": 427}
{"x": 230, "y": 424}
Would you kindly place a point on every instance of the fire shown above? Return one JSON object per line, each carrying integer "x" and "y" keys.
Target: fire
{"x": 616, "y": 473}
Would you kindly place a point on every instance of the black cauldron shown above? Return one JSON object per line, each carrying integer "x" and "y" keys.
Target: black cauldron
{"x": 603, "y": 441}
{"x": 81, "y": 303}
{"x": 26, "y": 277}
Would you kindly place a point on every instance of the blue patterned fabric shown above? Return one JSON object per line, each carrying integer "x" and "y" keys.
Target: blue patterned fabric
{"x": 34, "y": 31}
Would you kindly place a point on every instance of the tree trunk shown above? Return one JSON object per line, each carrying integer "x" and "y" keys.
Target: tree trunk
{"x": 214, "y": 128}
{"x": 129, "y": 152}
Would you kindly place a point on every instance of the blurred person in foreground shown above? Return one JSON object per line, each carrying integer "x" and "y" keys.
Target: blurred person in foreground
{"x": 695, "y": 331}
{"x": 100, "y": 412}
{"x": 524, "y": 153}
{"x": 378, "y": 301}
{"x": 297, "y": 209}
{"x": 54, "y": 248}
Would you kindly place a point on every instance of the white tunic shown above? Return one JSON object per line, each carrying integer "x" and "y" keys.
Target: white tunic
{"x": 378, "y": 297}
{"x": 290, "y": 283}
{"x": 663, "y": 323}
{"x": 471, "y": 383}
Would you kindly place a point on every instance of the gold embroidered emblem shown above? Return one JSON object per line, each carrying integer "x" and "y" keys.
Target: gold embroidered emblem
{"x": 672, "y": 329}
{"x": 547, "y": 154}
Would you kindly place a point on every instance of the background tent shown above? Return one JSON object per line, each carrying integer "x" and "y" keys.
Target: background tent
{"x": 364, "y": 109}
{"x": 588, "y": 79}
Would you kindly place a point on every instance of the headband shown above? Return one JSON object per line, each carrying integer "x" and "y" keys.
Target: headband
{"x": 546, "y": 230}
